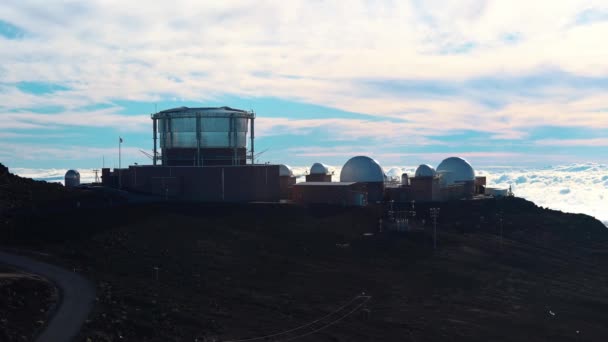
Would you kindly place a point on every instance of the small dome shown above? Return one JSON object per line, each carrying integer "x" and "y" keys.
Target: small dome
{"x": 285, "y": 170}
{"x": 394, "y": 174}
{"x": 72, "y": 174}
{"x": 362, "y": 169}
{"x": 425, "y": 170}
{"x": 72, "y": 178}
{"x": 455, "y": 170}
{"x": 319, "y": 169}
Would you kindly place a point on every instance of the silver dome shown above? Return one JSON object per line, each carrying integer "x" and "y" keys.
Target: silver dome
{"x": 362, "y": 169}
{"x": 285, "y": 170}
{"x": 319, "y": 169}
{"x": 72, "y": 174}
{"x": 394, "y": 174}
{"x": 425, "y": 170}
{"x": 455, "y": 170}
{"x": 72, "y": 178}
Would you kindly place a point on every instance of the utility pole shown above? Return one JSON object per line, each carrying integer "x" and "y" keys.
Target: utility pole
{"x": 500, "y": 220}
{"x": 434, "y": 216}
{"x": 119, "y": 159}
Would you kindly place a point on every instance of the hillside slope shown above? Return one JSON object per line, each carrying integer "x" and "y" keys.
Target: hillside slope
{"x": 178, "y": 271}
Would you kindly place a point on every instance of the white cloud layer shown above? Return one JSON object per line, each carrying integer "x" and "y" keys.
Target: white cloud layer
{"x": 576, "y": 188}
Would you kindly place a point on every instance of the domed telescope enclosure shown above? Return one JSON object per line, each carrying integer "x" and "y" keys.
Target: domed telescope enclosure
{"x": 455, "y": 170}
{"x": 285, "y": 171}
{"x": 203, "y": 136}
{"x": 319, "y": 173}
{"x": 286, "y": 181}
{"x": 72, "y": 178}
{"x": 425, "y": 170}
{"x": 362, "y": 169}
{"x": 319, "y": 169}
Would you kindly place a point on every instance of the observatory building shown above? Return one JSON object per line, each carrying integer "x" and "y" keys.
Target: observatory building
{"x": 319, "y": 173}
{"x": 203, "y": 157}
{"x": 457, "y": 178}
{"x": 202, "y": 136}
{"x": 362, "y": 169}
{"x": 425, "y": 184}
{"x": 425, "y": 170}
{"x": 287, "y": 180}
{"x": 455, "y": 170}
{"x": 72, "y": 178}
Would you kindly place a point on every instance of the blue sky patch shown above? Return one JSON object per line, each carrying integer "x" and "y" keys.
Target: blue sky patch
{"x": 40, "y": 88}
{"x": 10, "y": 31}
{"x": 590, "y": 16}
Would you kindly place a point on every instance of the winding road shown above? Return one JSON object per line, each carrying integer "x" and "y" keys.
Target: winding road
{"x": 77, "y": 296}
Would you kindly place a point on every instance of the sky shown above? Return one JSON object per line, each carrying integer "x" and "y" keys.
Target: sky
{"x": 500, "y": 83}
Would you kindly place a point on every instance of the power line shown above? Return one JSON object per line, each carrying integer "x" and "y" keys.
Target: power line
{"x": 331, "y": 323}
{"x": 366, "y": 299}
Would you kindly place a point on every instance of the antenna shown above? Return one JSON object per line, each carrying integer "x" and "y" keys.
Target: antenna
{"x": 147, "y": 154}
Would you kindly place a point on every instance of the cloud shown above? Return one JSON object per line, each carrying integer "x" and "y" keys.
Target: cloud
{"x": 419, "y": 70}
{"x": 575, "y": 188}
{"x": 98, "y": 118}
{"x": 595, "y": 142}
{"x": 70, "y": 154}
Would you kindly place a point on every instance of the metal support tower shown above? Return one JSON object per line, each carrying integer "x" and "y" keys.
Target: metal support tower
{"x": 252, "y": 136}
{"x": 155, "y": 138}
{"x": 434, "y": 216}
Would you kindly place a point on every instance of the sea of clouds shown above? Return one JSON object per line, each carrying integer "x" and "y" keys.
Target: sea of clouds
{"x": 575, "y": 188}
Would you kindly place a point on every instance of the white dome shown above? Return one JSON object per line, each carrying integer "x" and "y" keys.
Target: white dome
{"x": 362, "y": 169}
{"x": 73, "y": 174}
{"x": 425, "y": 170}
{"x": 454, "y": 170}
{"x": 319, "y": 169}
{"x": 72, "y": 178}
{"x": 285, "y": 170}
{"x": 394, "y": 174}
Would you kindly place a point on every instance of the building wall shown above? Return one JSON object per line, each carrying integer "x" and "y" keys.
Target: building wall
{"x": 209, "y": 184}
{"x": 286, "y": 184}
{"x": 375, "y": 191}
{"x": 318, "y": 178}
{"x": 453, "y": 192}
{"x": 425, "y": 189}
{"x": 345, "y": 195}
{"x": 208, "y": 156}
{"x": 399, "y": 194}
{"x": 480, "y": 184}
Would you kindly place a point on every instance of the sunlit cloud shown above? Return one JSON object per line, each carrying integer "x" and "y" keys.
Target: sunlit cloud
{"x": 419, "y": 70}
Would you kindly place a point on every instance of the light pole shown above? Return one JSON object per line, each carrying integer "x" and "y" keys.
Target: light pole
{"x": 119, "y": 160}
{"x": 500, "y": 220}
{"x": 434, "y": 216}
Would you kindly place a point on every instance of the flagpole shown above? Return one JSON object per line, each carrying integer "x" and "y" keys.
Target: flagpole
{"x": 119, "y": 158}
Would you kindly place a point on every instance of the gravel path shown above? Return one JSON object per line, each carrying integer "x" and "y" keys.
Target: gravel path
{"x": 76, "y": 299}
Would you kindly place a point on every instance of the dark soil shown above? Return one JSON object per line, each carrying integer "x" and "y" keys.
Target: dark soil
{"x": 24, "y": 304}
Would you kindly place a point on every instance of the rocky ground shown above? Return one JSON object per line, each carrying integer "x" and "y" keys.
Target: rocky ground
{"x": 186, "y": 272}
{"x": 192, "y": 272}
{"x": 24, "y": 304}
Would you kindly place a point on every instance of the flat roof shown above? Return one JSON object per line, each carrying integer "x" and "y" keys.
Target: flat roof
{"x": 325, "y": 183}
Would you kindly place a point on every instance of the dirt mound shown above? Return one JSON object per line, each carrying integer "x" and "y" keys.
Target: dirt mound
{"x": 24, "y": 304}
